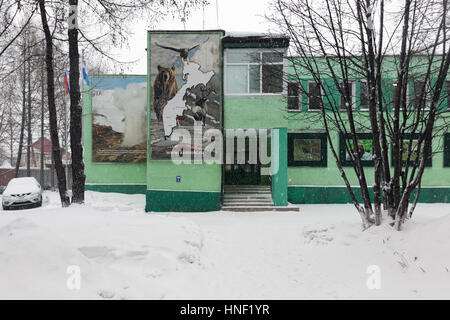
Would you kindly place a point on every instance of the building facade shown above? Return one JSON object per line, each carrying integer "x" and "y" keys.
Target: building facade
{"x": 232, "y": 84}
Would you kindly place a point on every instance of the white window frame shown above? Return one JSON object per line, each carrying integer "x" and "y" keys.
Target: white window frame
{"x": 321, "y": 95}
{"x": 299, "y": 96}
{"x": 353, "y": 84}
{"x": 248, "y": 64}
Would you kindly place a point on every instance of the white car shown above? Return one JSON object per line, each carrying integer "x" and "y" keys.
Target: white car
{"x": 22, "y": 193}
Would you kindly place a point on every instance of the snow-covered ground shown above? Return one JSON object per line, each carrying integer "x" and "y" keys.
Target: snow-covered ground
{"x": 125, "y": 253}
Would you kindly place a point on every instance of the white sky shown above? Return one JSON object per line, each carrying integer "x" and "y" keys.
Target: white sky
{"x": 234, "y": 15}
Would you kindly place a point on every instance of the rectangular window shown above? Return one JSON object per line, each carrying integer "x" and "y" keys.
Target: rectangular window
{"x": 253, "y": 72}
{"x": 351, "y": 97}
{"x": 307, "y": 149}
{"x": 364, "y": 149}
{"x": 314, "y": 96}
{"x": 293, "y": 97}
{"x": 447, "y": 150}
{"x": 237, "y": 79}
{"x": 396, "y": 90}
{"x": 419, "y": 87}
{"x": 255, "y": 79}
{"x": 414, "y": 150}
{"x": 272, "y": 78}
{"x": 363, "y": 95}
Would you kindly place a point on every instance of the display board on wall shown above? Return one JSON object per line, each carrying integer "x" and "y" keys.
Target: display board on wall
{"x": 185, "y": 79}
{"x": 119, "y": 113}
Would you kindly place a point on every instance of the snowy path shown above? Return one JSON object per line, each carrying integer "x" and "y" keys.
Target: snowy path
{"x": 319, "y": 253}
{"x": 249, "y": 256}
{"x": 124, "y": 253}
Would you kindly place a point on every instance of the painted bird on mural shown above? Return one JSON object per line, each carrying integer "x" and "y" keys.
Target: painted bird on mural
{"x": 185, "y": 53}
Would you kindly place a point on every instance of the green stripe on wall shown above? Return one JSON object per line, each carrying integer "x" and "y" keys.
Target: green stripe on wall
{"x": 182, "y": 201}
{"x": 118, "y": 188}
{"x": 338, "y": 195}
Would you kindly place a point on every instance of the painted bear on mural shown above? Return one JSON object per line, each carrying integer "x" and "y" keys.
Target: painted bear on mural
{"x": 165, "y": 88}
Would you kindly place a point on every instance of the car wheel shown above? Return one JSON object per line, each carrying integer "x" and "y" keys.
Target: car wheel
{"x": 5, "y": 207}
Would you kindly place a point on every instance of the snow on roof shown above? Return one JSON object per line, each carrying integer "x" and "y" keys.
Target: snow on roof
{"x": 248, "y": 34}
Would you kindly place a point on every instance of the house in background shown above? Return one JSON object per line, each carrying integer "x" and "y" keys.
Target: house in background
{"x": 36, "y": 154}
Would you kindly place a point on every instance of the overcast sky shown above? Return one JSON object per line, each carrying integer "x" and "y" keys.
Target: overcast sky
{"x": 234, "y": 15}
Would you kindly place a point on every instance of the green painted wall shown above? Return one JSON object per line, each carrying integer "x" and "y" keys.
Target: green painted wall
{"x": 339, "y": 195}
{"x": 118, "y": 188}
{"x": 106, "y": 173}
{"x": 254, "y": 112}
{"x": 182, "y": 201}
{"x": 324, "y": 184}
{"x": 279, "y": 164}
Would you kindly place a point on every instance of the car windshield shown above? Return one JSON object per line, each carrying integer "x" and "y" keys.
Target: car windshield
{"x": 18, "y": 182}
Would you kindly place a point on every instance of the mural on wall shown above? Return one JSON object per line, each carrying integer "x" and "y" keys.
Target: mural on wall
{"x": 185, "y": 87}
{"x": 119, "y": 125}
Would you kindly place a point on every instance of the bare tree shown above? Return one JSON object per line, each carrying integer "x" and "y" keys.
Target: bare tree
{"x": 336, "y": 42}
{"x": 56, "y": 153}
{"x": 11, "y": 12}
{"x": 61, "y": 42}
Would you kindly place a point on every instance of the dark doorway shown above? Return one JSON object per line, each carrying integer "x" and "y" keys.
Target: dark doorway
{"x": 243, "y": 173}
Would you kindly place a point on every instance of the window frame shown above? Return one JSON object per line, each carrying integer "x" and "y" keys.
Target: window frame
{"x": 408, "y": 96}
{"x": 353, "y": 102}
{"x": 416, "y": 136}
{"x": 427, "y": 96}
{"x": 260, "y": 64}
{"x": 309, "y": 97}
{"x": 298, "y": 96}
{"x": 305, "y": 136}
{"x": 343, "y": 151}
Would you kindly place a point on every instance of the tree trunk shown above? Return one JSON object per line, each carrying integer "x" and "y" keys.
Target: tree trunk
{"x": 78, "y": 176}
{"x": 65, "y": 201}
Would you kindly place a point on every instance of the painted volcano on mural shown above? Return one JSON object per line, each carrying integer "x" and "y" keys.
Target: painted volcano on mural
{"x": 119, "y": 126}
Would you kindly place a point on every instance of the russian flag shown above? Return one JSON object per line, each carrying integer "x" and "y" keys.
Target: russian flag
{"x": 66, "y": 82}
{"x": 85, "y": 75}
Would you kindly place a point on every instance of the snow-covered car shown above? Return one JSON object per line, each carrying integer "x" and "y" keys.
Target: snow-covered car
{"x": 22, "y": 193}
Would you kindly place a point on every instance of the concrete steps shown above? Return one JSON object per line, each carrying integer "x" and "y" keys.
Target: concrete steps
{"x": 250, "y": 199}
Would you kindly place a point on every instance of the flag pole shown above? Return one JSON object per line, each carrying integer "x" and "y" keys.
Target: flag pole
{"x": 67, "y": 84}
{"x": 66, "y": 147}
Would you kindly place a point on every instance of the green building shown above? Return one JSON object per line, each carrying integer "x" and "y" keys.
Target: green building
{"x": 226, "y": 82}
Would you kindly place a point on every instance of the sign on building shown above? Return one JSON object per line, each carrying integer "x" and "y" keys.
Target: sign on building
{"x": 185, "y": 91}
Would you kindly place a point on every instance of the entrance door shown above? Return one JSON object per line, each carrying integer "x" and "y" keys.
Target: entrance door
{"x": 243, "y": 173}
